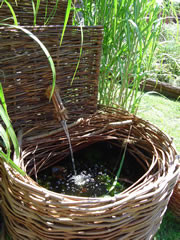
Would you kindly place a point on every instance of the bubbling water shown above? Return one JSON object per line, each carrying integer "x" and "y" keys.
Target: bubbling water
{"x": 82, "y": 179}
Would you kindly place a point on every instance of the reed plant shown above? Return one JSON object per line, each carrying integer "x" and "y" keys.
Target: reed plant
{"x": 8, "y": 137}
{"x": 131, "y": 32}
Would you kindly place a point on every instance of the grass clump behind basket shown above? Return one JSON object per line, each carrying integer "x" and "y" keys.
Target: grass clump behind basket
{"x": 131, "y": 31}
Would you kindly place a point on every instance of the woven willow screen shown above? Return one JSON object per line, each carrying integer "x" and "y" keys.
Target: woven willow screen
{"x": 49, "y": 12}
{"x": 26, "y": 74}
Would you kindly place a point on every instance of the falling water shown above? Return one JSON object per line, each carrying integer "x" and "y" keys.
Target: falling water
{"x": 64, "y": 124}
{"x": 59, "y": 107}
{"x": 80, "y": 179}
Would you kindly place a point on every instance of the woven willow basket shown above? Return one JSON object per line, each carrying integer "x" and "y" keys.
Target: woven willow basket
{"x": 174, "y": 203}
{"x": 35, "y": 213}
{"x": 50, "y": 12}
{"x": 26, "y": 75}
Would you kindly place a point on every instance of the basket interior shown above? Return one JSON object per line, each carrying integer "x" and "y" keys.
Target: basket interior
{"x": 95, "y": 135}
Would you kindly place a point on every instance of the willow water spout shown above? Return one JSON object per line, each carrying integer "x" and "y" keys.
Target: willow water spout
{"x": 58, "y": 104}
{"x": 62, "y": 117}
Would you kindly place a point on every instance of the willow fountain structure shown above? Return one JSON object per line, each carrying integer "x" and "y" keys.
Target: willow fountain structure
{"x": 150, "y": 171}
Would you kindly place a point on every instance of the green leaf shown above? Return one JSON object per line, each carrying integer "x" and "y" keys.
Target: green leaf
{"x": 12, "y": 12}
{"x": 80, "y": 54}
{"x": 2, "y": 98}
{"x": 4, "y": 157}
{"x": 35, "y": 9}
{"x": 5, "y": 139}
{"x": 10, "y": 130}
{"x": 52, "y": 14}
{"x": 66, "y": 20}
{"x": 119, "y": 169}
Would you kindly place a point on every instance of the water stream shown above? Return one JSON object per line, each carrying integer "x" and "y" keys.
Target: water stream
{"x": 81, "y": 178}
{"x": 78, "y": 179}
{"x": 64, "y": 124}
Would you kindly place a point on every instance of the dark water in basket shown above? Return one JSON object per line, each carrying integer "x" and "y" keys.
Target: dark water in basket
{"x": 93, "y": 182}
{"x": 96, "y": 167}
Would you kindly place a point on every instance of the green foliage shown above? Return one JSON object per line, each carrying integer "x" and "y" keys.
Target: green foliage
{"x": 166, "y": 62}
{"x": 35, "y": 10}
{"x": 162, "y": 112}
{"x": 115, "y": 183}
{"x": 169, "y": 229}
{"x": 7, "y": 136}
{"x": 113, "y": 187}
{"x": 66, "y": 19}
{"x": 131, "y": 31}
{"x": 11, "y": 10}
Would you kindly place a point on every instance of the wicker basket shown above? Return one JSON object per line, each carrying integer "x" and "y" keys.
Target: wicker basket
{"x": 174, "y": 203}
{"x": 35, "y": 213}
{"x": 50, "y": 12}
{"x": 26, "y": 74}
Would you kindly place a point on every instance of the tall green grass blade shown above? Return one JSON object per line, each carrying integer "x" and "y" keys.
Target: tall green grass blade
{"x": 5, "y": 139}
{"x": 80, "y": 54}
{"x": 52, "y": 14}
{"x": 66, "y": 20}
{"x": 11, "y": 163}
{"x": 2, "y": 98}
{"x": 68, "y": 10}
{"x": 119, "y": 170}
{"x": 7, "y": 136}
{"x": 115, "y": 17}
{"x": 12, "y": 12}
{"x": 10, "y": 130}
{"x": 35, "y": 10}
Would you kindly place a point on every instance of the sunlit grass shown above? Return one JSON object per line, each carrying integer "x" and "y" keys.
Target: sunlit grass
{"x": 163, "y": 113}
{"x": 169, "y": 229}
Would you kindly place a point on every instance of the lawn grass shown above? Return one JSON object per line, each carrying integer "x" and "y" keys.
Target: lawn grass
{"x": 165, "y": 114}
{"x": 162, "y": 112}
{"x": 170, "y": 228}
